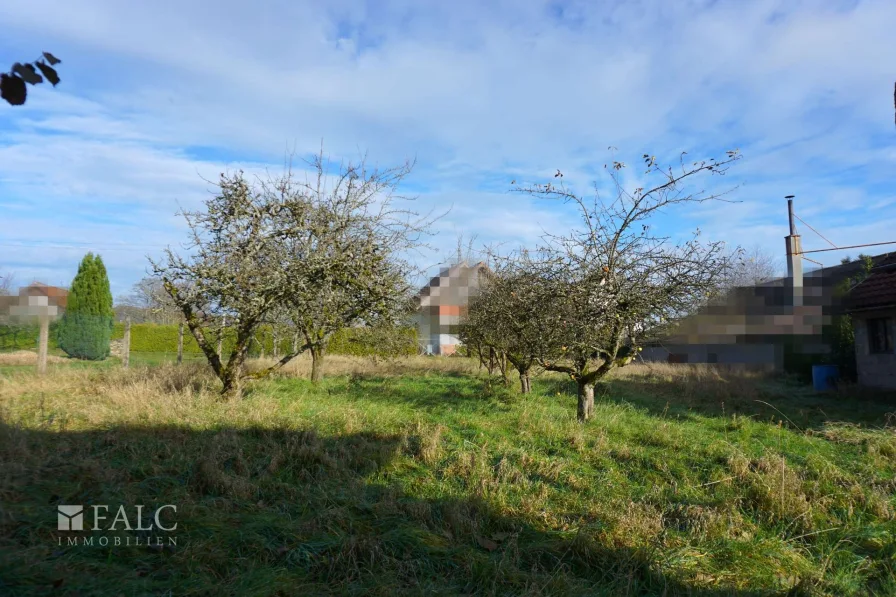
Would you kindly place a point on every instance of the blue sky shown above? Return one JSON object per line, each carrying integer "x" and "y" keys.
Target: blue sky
{"x": 156, "y": 96}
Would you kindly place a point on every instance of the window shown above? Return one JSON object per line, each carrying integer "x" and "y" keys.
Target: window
{"x": 879, "y": 340}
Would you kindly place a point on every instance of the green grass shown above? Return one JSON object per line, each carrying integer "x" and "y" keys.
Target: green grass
{"x": 444, "y": 483}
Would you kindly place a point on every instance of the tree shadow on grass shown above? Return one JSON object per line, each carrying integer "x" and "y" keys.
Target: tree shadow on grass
{"x": 279, "y": 512}
{"x": 427, "y": 392}
{"x": 763, "y": 399}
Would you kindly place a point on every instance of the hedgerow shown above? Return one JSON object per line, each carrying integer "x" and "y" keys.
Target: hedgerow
{"x": 151, "y": 337}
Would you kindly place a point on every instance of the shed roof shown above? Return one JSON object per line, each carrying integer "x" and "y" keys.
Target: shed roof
{"x": 878, "y": 290}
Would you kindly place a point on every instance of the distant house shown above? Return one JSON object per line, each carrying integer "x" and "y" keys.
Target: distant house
{"x": 36, "y": 294}
{"x": 757, "y": 327}
{"x": 442, "y": 304}
{"x": 55, "y": 295}
{"x": 872, "y": 305}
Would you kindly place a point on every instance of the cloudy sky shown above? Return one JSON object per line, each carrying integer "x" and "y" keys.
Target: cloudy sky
{"x": 157, "y": 97}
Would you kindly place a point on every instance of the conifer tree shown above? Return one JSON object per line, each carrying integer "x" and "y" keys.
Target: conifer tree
{"x": 86, "y": 326}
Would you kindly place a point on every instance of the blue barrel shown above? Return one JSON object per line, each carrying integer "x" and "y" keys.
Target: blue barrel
{"x": 824, "y": 377}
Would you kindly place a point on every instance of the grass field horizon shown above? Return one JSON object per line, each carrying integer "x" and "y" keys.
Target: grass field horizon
{"x": 424, "y": 476}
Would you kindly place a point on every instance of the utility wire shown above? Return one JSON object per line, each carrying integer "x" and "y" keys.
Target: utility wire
{"x": 812, "y": 260}
{"x": 815, "y": 231}
{"x": 889, "y": 242}
{"x": 836, "y": 248}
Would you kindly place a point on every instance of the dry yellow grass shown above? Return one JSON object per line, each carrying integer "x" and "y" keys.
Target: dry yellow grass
{"x": 348, "y": 365}
{"x": 708, "y": 382}
{"x": 25, "y": 357}
{"x": 176, "y": 394}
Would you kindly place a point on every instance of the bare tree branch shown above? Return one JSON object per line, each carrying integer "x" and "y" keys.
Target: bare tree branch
{"x": 611, "y": 280}
{"x": 322, "y": 254}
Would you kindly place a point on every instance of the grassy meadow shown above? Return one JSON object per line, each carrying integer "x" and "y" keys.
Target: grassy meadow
{"x": 423, "y": 476}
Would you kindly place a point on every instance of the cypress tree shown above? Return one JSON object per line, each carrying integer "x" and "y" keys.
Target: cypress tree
{"x": 86, "y": 326}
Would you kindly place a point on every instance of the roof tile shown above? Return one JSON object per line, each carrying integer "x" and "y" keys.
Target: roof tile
{"x": 878, "y": 289}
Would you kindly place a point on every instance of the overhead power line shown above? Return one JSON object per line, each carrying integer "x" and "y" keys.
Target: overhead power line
{"x": 835, "y": 247}
{"x": 814, "y": 230}
{"x": 892, "y": 242}
{"x": 813, "y": 261}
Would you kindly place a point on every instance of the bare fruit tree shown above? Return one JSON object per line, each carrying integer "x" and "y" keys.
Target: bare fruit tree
{"x": 506, "y": 318}
{"x": 238, "y": 269}
{"x": 751, "y": 266}
{"x": 364, "y": 278}
{"x": 613, "y": 278}
{"x": 148, "y": 301}
{"x": 263, "y": 249}
{"x": 7, "y": 284}
{"x": 7, "y": 289}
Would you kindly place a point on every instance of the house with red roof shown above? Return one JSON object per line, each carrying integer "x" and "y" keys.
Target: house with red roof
{"x": 34, "y": 297}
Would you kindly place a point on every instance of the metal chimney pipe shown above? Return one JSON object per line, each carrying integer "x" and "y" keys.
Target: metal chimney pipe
{"x": 794, "y": 257}
{"x": 790, "y": 214}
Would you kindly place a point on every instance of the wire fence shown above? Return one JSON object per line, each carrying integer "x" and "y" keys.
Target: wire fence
{"x": 85, "y": 339}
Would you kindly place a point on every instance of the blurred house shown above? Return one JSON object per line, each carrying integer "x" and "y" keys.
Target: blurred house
{"x": 442, "y": 304}
{"x": 37, "y": 295}
{"x": 769, "y": 326}
{"x": 872, "y": 306}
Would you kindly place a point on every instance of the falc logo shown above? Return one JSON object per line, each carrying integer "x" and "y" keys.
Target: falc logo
{"x": 71, "y": 518}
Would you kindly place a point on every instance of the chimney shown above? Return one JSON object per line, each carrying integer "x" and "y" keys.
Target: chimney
{"x": 794, "y": 258}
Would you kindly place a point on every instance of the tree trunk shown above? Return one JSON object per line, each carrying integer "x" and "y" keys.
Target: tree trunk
{"x": 525, "y": 386}
{"x": 317, "y": 363}
{"x": 232, "y": 388}
{"x": 586, "y": 401}
{"x": 505, "y": 369}
{"x": 232, "y": 375}
{"x": 44, "y": 340}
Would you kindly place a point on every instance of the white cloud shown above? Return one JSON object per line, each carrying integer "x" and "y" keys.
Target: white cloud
{"x": 480, "y": 93}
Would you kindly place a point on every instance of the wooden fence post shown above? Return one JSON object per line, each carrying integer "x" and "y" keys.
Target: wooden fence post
{"x": 126, "y": 344}
{"x": 42, "y": 347}
{"x": 180, "y": 343}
